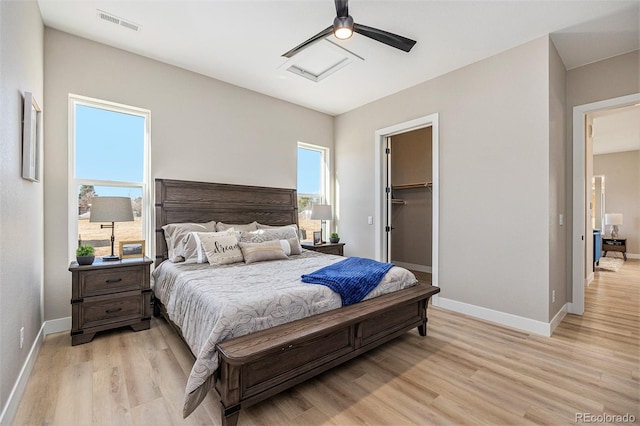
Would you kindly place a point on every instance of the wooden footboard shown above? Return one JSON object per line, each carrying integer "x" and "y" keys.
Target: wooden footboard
{"x": 262, "y": 364}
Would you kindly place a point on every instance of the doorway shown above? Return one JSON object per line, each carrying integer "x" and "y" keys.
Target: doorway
{"x": 581, "y": 193}
{"x": 409, "y": 226}
{"x": 383, "y": 198}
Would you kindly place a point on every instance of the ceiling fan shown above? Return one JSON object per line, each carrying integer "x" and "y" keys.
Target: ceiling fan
{"x": 343, "y": 27}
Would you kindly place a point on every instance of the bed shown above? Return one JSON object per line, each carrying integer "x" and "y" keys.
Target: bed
{"x": 289, "y": 339}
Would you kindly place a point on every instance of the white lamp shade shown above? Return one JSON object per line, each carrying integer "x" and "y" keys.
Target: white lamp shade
{"x": 111, "y": 209}
{"x": 321, "y": 212}
{"x": 613, "y": 218}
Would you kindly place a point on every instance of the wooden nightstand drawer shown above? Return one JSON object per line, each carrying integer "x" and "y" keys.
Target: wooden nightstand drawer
{"x": 111, "y": 310}
{"x": 326, "y": 248}
{"x": 109, "y": 281}
{"x": 107, "y": 295}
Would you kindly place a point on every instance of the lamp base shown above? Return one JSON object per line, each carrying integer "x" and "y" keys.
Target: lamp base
{"x": 110, "y": 258}
{"x": 614, "y": 231}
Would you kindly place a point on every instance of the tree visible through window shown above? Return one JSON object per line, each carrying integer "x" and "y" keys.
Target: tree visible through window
{"x": 109, "y": 160}
{"x": 312, "y": 185}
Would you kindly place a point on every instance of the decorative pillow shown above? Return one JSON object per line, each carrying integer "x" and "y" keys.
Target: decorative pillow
{"x": 174, "y": 234}
{"x": 293, "y": 225}
{"x": 259, "y": 252}
{"x": 221, "y": 249}
{"x": 193, "y": 252}
{"x": 291, "y": 246}
{"x": 247, "y": 227}
{"x": 282, "y": 233}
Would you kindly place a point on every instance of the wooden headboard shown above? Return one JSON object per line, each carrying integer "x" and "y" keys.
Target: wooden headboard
{"x": 179, "y": 201}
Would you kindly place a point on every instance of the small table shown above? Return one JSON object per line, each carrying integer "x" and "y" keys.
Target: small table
{"x": 326, "y": 248}
{"x": 614, "y": 244}
{"x": 107, "y": 295}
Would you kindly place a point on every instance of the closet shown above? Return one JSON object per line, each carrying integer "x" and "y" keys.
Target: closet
{"x": 410, "y": 182}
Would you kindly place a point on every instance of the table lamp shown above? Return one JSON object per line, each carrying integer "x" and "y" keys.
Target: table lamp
{"x": 111, "y": 209}
{"x": 321, "y": 212}
{"x": 613, "y": 219}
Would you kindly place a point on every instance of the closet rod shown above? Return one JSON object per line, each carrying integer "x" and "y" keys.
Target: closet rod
{"x": 414, "y": 185}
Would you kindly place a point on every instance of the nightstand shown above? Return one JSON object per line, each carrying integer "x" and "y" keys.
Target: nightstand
{"x": 108, "y": 295}
{"x": 614, "y": 244}
{"x": 326, "y": 248}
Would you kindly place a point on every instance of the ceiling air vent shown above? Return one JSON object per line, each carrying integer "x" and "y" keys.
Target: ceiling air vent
{"x": 109, "y": 17}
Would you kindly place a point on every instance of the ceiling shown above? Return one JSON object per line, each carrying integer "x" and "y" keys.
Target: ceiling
{"x": 616, "y": 130}
{"x": 241, "y": 42}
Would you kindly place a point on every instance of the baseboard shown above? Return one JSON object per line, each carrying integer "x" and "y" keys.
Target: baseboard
{"x": 412, "y": 266}
{"x": 57, "y": 325}
{"x": 11, "y": 407}
{"x": 502, "y": 318}
{"x": 557, "y": 318}
{"x": 590, "y": 278}
{"x": 48, "y": 327}
{"x": 633, "y": 256}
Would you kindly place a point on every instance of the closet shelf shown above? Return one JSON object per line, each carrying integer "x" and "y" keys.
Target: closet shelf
{"x": 414, "y": 185}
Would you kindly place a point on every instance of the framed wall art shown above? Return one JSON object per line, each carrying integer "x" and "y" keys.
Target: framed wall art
{"x": 317, "y": 238}
{"x": 129, "y": 249}
{"x": 31, "y": 137}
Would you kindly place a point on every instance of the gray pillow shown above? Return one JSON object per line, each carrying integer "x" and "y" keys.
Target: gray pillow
{"x": 174, "y": 234}
{"x": 281, "y": 233}
{"x": 259, "y": 252}
{"x": 246, "y": 227}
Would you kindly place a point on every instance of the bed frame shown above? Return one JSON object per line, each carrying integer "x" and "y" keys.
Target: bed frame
{"x": 262, "y": 364}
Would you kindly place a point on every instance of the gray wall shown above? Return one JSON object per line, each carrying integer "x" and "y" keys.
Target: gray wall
{"x": 201, "y": 129}
{"x": 607, "y": 79}
{"x": 494, "y": 177}
{"x": 21, "y": 201}
{"x": 622, "y": 193}
{"x": 559, "y": 252}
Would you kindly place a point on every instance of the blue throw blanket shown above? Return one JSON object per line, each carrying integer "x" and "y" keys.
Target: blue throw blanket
{"x": 352, "y": 278}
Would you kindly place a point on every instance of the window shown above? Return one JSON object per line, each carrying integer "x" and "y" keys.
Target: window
{"x": 313, "y": 185}
{"x": 109, "y": 157}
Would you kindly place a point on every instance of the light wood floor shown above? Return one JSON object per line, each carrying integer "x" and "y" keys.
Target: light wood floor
{"x": 464, "y": 372}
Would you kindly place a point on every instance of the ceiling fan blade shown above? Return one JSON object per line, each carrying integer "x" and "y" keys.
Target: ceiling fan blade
{"x": 342, "y": 8}
{"x": 385, "y": 37}
{"x": 322, "y": 34}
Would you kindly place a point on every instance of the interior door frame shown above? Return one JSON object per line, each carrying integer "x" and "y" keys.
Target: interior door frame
{"x": 381, "y": 136}
{"x": 579, "y": 254}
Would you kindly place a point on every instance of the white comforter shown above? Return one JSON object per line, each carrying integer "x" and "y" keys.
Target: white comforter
{"x": 211, "y": 304}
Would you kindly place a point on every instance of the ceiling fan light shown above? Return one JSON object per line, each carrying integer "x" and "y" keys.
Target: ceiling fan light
{"x": 343, "y": 27}
{"x": 343, "y": 33}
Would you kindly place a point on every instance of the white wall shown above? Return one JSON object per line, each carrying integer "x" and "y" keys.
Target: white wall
{"x": 494, "y": 178}
{"x": 201, "y": 129}
{"x": 21, "y": 201}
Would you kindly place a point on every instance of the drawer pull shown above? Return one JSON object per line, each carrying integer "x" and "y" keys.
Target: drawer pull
{"x": 113, "y": 281}
{"x": 112, "y": 311}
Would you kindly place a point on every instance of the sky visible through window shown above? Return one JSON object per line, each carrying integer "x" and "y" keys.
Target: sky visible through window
{"x": 109, "y": 146}
{"x": 309, "y": 171}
